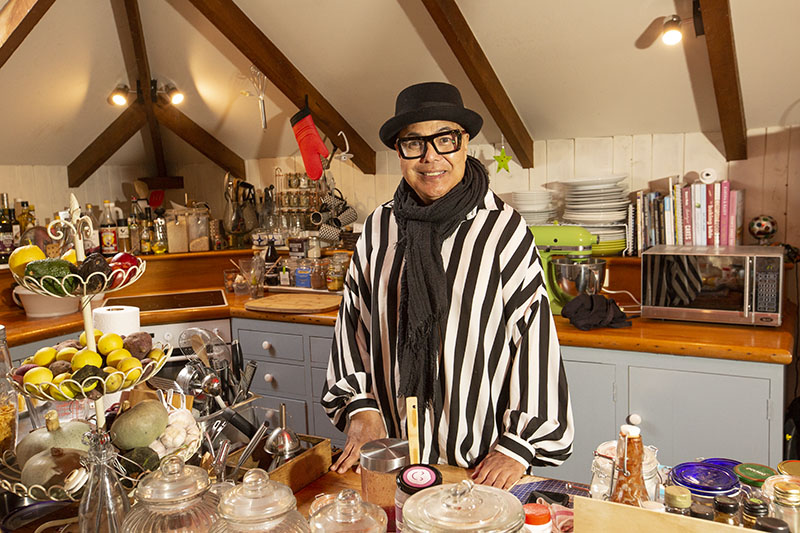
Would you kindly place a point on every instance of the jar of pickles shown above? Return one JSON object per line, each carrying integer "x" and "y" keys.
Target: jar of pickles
{"x": 335, "y": 276}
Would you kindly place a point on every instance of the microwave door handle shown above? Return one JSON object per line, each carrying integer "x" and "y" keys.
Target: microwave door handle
{"x": 747, "y": 287}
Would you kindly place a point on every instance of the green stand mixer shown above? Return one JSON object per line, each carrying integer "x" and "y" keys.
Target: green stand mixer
{"x": 569, "y": 267}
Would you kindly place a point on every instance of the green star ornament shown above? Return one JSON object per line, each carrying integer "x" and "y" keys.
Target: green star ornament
{"x": 502, "y": 161}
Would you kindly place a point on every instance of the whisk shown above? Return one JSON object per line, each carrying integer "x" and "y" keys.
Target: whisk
{"x": 259, "y": 81}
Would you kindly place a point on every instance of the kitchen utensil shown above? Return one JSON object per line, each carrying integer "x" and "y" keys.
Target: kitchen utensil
{"x": 295, "y": 303}
{"x": 237, "y": 359}
{"x": 573, "y": 277}
{"x": 202, "y": 341}
{"x": 246, "y": 381}
{"x": 248, "y": 451}
{"x": 239, "y": 422}
{"x": 220, "y": 460}
{"x": 412, "y": 423}
{"x": 282, "y": 443}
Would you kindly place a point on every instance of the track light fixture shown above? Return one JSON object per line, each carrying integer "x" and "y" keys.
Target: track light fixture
{"x": 672, "y": 33}
{"x": 175, "y": 96}
{"x": 119, "y": 96}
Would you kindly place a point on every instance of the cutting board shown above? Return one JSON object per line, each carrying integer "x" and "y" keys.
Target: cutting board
{"x": 295, "y": 303}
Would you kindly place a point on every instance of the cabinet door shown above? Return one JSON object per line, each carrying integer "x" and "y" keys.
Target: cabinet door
{"x": 689, "y": 415}
{"x": 279, "y": 379}
{"x": 591, "y": 388}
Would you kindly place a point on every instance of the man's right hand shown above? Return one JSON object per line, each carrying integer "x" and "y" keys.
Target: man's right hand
{"x": 364, "y": 427}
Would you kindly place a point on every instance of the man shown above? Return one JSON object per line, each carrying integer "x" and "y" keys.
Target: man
{"x": 445, "y": 301}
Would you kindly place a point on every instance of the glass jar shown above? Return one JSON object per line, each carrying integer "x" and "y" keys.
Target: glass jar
{"x": 104, "y": 505}
{"x": 786, "y": 505}
{"x": 629, "y": 487}
{"x": 677, "y": 500}
{"x": 790, "y": 467}
{"x": 752, "y": 509}
{"x": 348, "y": 513}
{"x": 177, "y": 232}
{"x": 726, "y": 510}
{"x": 601, "y": 470}
{"x": 314, "y": 248}
{"x": 752, "y": 476}
{"x": 8, "y": 399}
{"x": 293, "y": 180}
{"x": 335, "y": 276}
{"x": 160, "y": 237}
{"x": 197, "y": 224}
{"x": 380, "y": 462}
{"x": 303, "y": 181}
{"x": 259, "y": 505}
{"x": 318, "y": 275}
{"x": 410, "y": 480}
{"x": 705, "y": 481}
{"x": 173, "y": 498}
{"x": 302, "y": 274}
{"x": 463, "y": 507}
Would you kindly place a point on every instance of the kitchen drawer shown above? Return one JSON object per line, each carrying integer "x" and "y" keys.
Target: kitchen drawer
{"x": 320, "y": 349}
{"x": 323, "y": 427}
{"x": 317, "y": 382}
{"x": 283, "y": 378}
{"x": 296, "y": 417}
{"x": 272, "y": 345}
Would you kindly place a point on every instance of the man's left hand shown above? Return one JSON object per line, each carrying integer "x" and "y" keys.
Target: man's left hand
{"x": 498, "y": 470}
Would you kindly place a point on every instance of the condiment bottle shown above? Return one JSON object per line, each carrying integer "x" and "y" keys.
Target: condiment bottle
{"x": 108, "y": 231}
{"x": 677, "y": 500}
{"x": 752, "y": 510}
{"x": 537, "y": 518}
{"x": 726, "y": 510}
{"x": 629, "y": 487}
{"x": 123, "y": 235}
{"x": 410, "y": 480}
{"x": 160, "y": 238}
{"x": 381, "y": 460}
{"x": 786, "y": 505}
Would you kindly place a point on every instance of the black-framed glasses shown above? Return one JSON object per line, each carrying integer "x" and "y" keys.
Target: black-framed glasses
{"x": 444, "y": 142}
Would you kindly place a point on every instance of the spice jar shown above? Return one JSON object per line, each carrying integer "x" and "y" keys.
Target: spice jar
{"x": 381, "y": 460}
{"x": 752, "y": 509}
{"x": 318, "y": 275}
{"x": 410, "y": 480}
{"x": 752, "y": 476}
{"x": 677, "y": 500}
{"x": 773, "y": 525}
{"x": 726, "y": 510}
{"x": 173, "y": 498}
{"x": 259, "y": 505}
{"x": 786, "y": 505}
{"x": 177, "y": 232}
{"x": 348, "y": 514}
{"x": 463, "y": 507}
{"x": 197, "y": 224}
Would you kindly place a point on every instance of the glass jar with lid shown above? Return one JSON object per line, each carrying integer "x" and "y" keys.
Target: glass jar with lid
{"x": 705, "y": 481}
{"x": 786, "y": 504}
{"x": 334, "y": 277}
{"x": 463, "y": 507}
{"x": 318, "y": 275}
{"x": 348, "y": 513}
{"x": 197, "y": 225}
{"x": 173, "y": 498}
{"x": 177, "y": 231}
{"x": 380, "y": 461}
{"x": 604, "y": 461}
{"x": 259, "y": 505}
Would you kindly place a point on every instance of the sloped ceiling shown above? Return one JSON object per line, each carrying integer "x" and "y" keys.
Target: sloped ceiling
{"x": 572, "y": 69}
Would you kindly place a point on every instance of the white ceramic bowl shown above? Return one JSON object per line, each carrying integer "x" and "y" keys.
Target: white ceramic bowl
{"x": 40, "y": 306}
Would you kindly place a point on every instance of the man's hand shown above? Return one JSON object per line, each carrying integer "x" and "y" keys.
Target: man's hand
{"x": 364, "y": 427}
{"x": 498, "y": 470}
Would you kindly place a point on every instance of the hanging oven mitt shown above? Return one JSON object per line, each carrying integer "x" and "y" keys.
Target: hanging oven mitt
{"x": 310, "y": 143}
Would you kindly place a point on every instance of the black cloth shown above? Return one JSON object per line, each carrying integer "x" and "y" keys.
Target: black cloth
{"x": 587, "y": 312}
{"x": 423, "y": 291}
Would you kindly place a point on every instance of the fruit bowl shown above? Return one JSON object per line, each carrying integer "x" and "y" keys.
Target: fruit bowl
{"x": 92, "y": 387}
{"x": 73, "y": 285}
{"x": 10, "y": 481}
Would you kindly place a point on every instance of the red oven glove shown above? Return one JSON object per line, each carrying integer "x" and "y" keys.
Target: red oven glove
{"x": 310, "y": 143}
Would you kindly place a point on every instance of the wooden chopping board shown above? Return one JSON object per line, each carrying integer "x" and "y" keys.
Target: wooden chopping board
{"x": 295, "y": 303}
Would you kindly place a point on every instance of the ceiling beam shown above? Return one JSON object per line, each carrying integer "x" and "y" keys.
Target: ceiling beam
{"x": 465, "y": 46}
{"x": 93, "y": 156}
{"x": 725, "y": 75}
{"x": 231, "y": 21}
{"x": 136, "y": 36}
{"x": 200, "y": 139}
{"x": 17, "y": 19}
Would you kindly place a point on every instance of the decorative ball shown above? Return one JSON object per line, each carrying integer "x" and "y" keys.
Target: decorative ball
{"x": 763, "y": 227}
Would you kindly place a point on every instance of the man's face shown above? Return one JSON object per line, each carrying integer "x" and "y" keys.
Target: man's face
{"x": 433, "y": 175}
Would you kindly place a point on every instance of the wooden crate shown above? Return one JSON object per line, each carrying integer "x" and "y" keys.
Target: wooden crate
{"x": 310, "y": 465}
{"x": 598, "y": 516}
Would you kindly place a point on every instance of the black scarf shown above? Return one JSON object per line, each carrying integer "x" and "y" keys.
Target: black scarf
{"x": 424, "y": 300}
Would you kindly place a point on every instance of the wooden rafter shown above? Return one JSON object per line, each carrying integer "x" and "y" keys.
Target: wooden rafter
{"x": 465, "y": 46}
{"x": 17, "y": 19}
{"x": 200, "y": 139}
{"x": 725, "y": 75}
{"x": 251, "y": 41}
{"x": 93, "y": 156}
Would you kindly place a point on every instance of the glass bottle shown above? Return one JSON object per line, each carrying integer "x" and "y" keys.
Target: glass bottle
{"x": 123, "y": 235}
{"x": 752, "y": 509}
{"x": 22, "y": 215}
{"x": 160, "y": 242}
{"x": 108, "y": 231}
{"x": 271, "y": 259}
{"x": 16, "y": 227}
{"x": 8, "y": 399}
{"x": 92, "y": 244}
{"x": 629, "y": 487}
{"x": 786, "y": 504}
{"x": 135, "y": 235}
{"x": 726, "y": 510}
{"x": 105, "y": 503}
{"x": 6, "y": 230}
{"x": 677, "y": 500}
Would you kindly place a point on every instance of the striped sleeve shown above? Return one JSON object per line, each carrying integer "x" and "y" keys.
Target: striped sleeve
{"x": 538, "y": 425}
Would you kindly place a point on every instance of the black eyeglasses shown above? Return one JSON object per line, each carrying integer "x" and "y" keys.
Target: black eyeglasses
{"x": 445, "y": 142}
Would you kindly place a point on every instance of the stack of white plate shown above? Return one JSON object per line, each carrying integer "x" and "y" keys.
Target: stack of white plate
{"x": 535, "y": 206}
{"x": 596, "y": 200}
{"x": 611, "y": 239}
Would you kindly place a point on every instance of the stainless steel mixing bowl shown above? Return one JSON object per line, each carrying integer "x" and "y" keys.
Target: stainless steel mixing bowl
{"x": 573, "y": 277}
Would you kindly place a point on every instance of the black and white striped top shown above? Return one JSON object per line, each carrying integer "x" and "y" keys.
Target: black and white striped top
{"x": 500, "y": 371}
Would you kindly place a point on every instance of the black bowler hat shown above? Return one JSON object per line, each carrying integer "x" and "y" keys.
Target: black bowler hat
{"x": 429, "y": 101}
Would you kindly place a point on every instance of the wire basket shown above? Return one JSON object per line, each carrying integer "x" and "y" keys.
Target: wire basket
{"x": 73, "y": 285}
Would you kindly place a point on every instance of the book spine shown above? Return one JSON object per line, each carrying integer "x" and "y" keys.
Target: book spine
{"x": 678, "y": 221}
{"x": 709, "y": 214}
{"x": 639, "y": 224}
{"x": 717, "y": 193}
{"x": 686, "y": 201}
{"x": 700, "y": 213}
{"x": 669, "y": 221}
{"x": 739, "y": 216}
{"x": 724, "y": 212}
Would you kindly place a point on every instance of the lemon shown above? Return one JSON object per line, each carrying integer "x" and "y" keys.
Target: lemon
{"x": 70, "y": 256}
{"x": 36, "y": 376}
{"x": 132, "y": 368}
{"x": 23, "y": 255}
{"x": 86, "y": 357}
{"x": 44, "y": 356}
{"x": 60, "y": 392}
{"x": 66, "y": 354}
{"x": 108, "y": 343}
{"x": 97, "y": 335}
{"x": 113, "y": 379}
{"x": 116, "y": 356}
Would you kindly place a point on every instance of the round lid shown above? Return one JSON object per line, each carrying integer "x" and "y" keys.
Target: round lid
{"x": 724, "y": 504}
{"x": 768, "y": 523}
{"x": 704, "y": 477}
{"x": 536, "y": 514}
{"x": 412, "y": 479}
{"x": 787, "y": 493}
{"x": 676, "y": 496}
{"x": 756, "y": 507}
{"x": 703, "y": 512}
{"x": 753, "y": 474}
{"x": 173, "y": 481}
{"x": 463, "y": 507}
{"x": 384, "y": 455}
{"x": 609, "y": 449}
{"x": 257, "y": 499}
{"x": 789, "y": 468}
{"x": 348, "y": 513}
{"x": 653, "y": 506}
{"x": 730, "y": 464}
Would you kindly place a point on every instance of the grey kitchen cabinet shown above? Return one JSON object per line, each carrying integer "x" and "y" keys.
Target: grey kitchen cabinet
{"x": 291, "y": 360}
{"x": 687, "y": 407}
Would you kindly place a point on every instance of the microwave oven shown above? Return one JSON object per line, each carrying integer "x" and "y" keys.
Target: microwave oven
{"x": 725, "y": 284}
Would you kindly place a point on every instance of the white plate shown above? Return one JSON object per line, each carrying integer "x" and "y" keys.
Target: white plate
{"x": 570, "y": 212}
{"x": 598, "y": 180}
{"x": 599, "y": 206}
{"x": 600, "y": 217}
{"x": 594, "y": 188}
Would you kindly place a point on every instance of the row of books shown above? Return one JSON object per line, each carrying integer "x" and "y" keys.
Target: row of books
{"x": 700, "y": 214}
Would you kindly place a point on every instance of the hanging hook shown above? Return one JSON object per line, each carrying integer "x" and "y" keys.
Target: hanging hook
{"x": 344, "y": 156}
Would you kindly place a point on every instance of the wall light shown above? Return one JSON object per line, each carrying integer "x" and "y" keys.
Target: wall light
{"x": 175, "y": 96}
{"x": 119, "y": 96}
{"x": 672, "y": 34}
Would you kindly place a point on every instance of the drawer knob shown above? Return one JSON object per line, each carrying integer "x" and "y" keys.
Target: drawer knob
{"x": 266, "y": 345}
{"x": 634, "y": 419}
{"x": 269, "y": 378}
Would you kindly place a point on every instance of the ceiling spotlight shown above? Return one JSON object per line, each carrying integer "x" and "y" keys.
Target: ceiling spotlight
{"x": 119, "y": 96}
{"x": 672, "y": 30}
{"x": 175, "y": 96}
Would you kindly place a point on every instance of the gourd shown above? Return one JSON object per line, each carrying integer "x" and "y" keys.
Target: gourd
{"x": 51, "y": 467}
{"x": 140, "y": 425}
{"x": 54, "y": 434}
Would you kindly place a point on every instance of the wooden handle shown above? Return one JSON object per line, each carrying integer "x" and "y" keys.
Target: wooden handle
{"x": 412, "y": 428}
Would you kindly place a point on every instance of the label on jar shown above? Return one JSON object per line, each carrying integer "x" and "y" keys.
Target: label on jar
{"x": 302, "y": 277}
{"x": 284, "y": 277}
{"x": 108, "y": 240}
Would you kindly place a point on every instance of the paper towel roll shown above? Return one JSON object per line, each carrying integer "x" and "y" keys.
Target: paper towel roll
{"x": 120, "y": 319}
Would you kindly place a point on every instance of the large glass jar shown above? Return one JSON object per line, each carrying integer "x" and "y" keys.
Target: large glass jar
{"x": 259, "y": 505}
{"x": 177, "y": 232}
{"x": 604, "y": 461}
{"x": 463, "y": 507}
{"x": 197, "y": 224}
{"x": 174, "y": 498}
{"x": 348, "y": 514}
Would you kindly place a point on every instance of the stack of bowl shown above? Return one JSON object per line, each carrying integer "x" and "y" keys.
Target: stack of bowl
{"x": 535, "y": 206}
